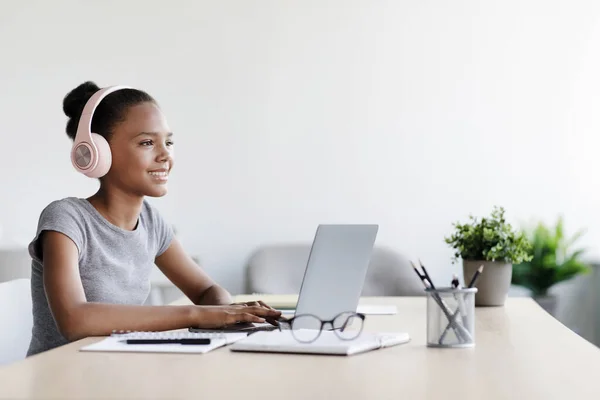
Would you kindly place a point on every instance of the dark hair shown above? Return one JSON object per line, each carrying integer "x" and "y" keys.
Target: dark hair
{"x": 111, "y": 110}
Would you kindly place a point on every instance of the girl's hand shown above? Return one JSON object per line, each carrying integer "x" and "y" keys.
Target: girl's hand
{"x": 258, "y": 303}
{"x": 211, "y": 317}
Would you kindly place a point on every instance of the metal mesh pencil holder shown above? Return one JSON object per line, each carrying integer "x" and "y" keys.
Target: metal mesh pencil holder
{"x": 451, "y": 317}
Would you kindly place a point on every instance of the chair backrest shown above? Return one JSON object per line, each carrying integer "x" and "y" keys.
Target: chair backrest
{"x": 16, "y": 320}
{"x": 15, "y": 263}
{"x": 279, "y": 269}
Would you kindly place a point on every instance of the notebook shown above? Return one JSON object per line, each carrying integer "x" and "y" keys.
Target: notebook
{"x": 327, "y": 343}
{"x": 116, "y": 342}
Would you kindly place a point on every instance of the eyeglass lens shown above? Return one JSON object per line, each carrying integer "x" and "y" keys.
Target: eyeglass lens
{"x": 306, "y": 328}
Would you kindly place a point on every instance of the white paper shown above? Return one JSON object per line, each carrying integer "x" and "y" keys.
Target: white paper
{"x": 374, "y": 309}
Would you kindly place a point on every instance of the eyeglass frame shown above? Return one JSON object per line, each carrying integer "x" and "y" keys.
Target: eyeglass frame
{"x": 290, "y": 321}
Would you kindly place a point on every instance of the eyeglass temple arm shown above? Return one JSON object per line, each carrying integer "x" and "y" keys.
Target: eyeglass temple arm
{"x": 287, "y": 321}
{"x": 345, "y": 324}
{"x": 348, "y": 319}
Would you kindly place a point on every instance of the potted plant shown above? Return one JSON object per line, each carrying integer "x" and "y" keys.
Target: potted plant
{"x": 553, "y": 261}
{"x": 493, "y": 243}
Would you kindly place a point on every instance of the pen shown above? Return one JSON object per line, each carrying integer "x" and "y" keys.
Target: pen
{"x": 460, "y": 300}
{"x": 426, "y": 275}
{"x": 475, "y": 276}
{"x": 166, "y": 341}
{"x": 421, "y": 277}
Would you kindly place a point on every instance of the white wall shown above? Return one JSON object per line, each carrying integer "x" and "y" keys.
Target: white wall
{"x": 292, "y": 113}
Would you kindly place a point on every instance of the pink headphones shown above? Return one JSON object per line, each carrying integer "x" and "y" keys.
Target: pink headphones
{"x": 90, "y": 153}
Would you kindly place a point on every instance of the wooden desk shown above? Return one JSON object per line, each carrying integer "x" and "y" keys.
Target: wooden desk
{"x": 521, "y": 353}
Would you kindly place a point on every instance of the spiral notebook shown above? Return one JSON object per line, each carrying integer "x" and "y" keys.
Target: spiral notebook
{"x": 117, "y": 342}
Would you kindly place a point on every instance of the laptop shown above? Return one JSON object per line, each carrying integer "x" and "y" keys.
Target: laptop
{"x": 334, "y": 276}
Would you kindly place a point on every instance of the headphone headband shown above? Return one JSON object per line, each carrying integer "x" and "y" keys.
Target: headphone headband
{"x": 84, "y": 128}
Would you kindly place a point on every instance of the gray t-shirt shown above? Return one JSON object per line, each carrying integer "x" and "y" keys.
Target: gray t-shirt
{"x": 114, "y": 263}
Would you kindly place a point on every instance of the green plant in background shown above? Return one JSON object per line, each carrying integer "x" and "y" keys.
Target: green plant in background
{"x": 489, "y": 239}
{"x": 552, "y": 259}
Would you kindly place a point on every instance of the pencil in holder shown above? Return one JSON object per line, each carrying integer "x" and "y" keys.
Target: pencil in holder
{"x": 451, "y": 317}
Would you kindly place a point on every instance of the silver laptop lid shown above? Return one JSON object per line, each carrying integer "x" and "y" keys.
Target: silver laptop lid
{"x": 336, "y": 270}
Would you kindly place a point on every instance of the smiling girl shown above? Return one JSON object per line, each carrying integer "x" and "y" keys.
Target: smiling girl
{"x": 92, "y": 257}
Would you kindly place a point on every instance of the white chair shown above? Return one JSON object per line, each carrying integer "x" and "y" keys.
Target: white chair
{"x": 15, "y": 263}
{"x": 279, "y": 269}
{"x": 16, "y": 320}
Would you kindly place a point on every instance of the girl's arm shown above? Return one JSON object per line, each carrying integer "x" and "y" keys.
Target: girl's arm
{"x": 77, "y": 318}
{"x": 180, "y": 269}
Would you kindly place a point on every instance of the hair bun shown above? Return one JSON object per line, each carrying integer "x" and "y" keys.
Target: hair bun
{"x": 75, "y": 100}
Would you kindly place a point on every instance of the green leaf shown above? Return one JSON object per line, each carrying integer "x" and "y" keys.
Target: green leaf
{"x": 489, "y": 238}
{"x": 552, "y": 260}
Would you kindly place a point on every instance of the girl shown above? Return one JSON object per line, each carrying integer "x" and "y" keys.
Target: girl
{"x": 91, "y": 258}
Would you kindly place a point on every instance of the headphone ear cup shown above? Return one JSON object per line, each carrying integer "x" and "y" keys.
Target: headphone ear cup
{"x": 104, "y": 157}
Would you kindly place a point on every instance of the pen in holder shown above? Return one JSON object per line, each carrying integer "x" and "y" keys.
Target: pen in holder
{"x": 451, "y": 317}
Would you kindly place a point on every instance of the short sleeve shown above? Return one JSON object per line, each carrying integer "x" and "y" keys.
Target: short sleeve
{"x": 163, "y": 232}
{"x": 60, "y": 216}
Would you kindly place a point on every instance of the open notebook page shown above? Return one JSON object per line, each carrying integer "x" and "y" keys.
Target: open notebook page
{"x": 116, "y": 343}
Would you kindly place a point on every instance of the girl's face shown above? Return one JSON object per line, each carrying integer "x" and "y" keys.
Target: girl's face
{"x": 142, "y": 152}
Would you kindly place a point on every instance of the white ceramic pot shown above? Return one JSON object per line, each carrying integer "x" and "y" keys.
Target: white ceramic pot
{"x": 493, "y": 283}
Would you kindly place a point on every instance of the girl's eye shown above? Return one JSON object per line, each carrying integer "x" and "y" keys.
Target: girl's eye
{"x": 146, "y": 143}
{"x": 170, "y": 143}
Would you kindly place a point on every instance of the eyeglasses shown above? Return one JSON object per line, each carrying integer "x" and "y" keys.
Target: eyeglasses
{"x": 306, "y": 328}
